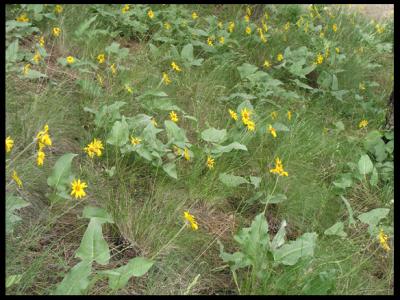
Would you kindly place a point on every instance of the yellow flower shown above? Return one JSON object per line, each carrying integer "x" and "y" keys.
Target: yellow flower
{"x": 167, "y": 26}
{"x": 289, "y": 115}
{"x": 43, "y": 137}
{"x": 287, "y": 26}
{"x": 190, "y": 220}
{"x": 125, "y": 8}
{"x": 41, "y": 41}
{"x": 231, "y": 27}
{"x": 101, "y": 58}
{"x": 334, "y": 27}
{"x": 320, "y": 59}
{"x": 113, "y": 69}
{"x": 177, "y": 150}
{"x": 154, "y": 122}
{"x": 23, "y": 18}
{"x": 363, "y": 123}
{"x": 58, "y": 9}
{"x": 210, "y": 162}
{"x": 327, "y": 53}
{"x": 9, "y": 144}
{"x": 37, "y": 57}
{"x": 383, "y": 238}
{"x": 210, "y": 42}
{"x": 251, "y": 126}
{"x": 56, "y": 31}
{"x": 100, "y": 79}
{"x": 262, "y": 37}
{"x": 27, "y": 68}
{"x": 379, "y": 28}
{"x": 78, "y": 188}
{"x": 279, "y": 57}
{"x": 272, "y": 130}
{"x": 247, "y": 18}
{"x": 173, "y": 116}
{"x": 266, "y": 64}
{"x": 321, "y": 34}
{"x": 274, "y": 115}
{"x": 337, "y": 50}
{"x": 194, "y": 15}
{"x": 135, "y": 140}
{"x": 248, "y": 30}
{"x": 245, "y": 115}
{"x": 233, "y": 115}
{"x": 266, "y": 16}
{"x": 40, "y": 157}
{"x": 221, "y": 40}
{"x": 175, "y": 67}
{"x": 94, "y": 147}
{"x": 220, "y": 25}
{"x": 186, "y": 154}
{"x": 166, "y": 79}
{"x": 70, "y": 59}
{"x": 150, "y": 13}
{"x": 361, "y": 86}
{"x": 128, "y": 88}
{"x": 279, "y": 168}
{"x": 16, "y": 179}
{"x": 265, "y": 27}
{"x": 248, "y": 11}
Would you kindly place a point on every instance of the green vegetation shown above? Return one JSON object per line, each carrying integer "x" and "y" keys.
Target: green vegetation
{"x": 198, "y": 149}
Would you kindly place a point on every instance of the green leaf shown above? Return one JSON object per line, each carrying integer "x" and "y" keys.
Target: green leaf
{"x": 33, "y": 74}
{"x": 83, "y": 27}
{"x": 365, "y": 165}
{"x": 302, "y": 85}
{"x": 374, "y": 177}
{"x": 335, "y": 85}
{"x": 380, "y": 151}
{"x": 339, "y": 126}
{"x": 93, "y": 247}
{"x": 290, "y": 253}
{"x": 214, "y": 135}
{"x": 12, "y": 279}
{"x": 119, "y": 135}
{"x": 246, "y": 70}
{"x": 12, "y": 52}
{"x": 76, "y": 281}
{"x": 170, "y": 169}
{"x": 344, "y": 181}
{"x": 228, "y": 148}
{"x": 371, "y": 140}
{"x": 389, "y": 147}
{"x": 13, "y": 203}
{"x": 280, "y": 127}
{"x": 321, "y": 284}
{"x": 118, "y": 278}
{"x": 254, "y": 180}
{"x": 349, "y": 210}
{"x": 175, "y": 134}
{"x": 273, "y": 199}
{"x": 374, "y": 216}
{"x": 96, "y": 212}
{"x": 187, "y": 52}
{"x": 231, "y": 180}
{"x": 279, "y": 238}
{"x": 336, "y": 229}
{"x": 60, "y": 177}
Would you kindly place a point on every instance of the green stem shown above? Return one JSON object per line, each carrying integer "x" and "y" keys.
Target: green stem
{"x": 166, "y": 245}
{"x": 273, "y": 190}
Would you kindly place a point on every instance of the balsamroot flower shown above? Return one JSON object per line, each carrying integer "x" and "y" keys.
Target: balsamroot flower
{"x": 278, "y": 168}
{"x": 78, "y": 189}
{"x": 190, "y": 220}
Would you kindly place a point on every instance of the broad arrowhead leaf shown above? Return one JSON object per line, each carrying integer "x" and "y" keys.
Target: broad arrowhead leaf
{"x": 119, "y": 135}
{"x": 170, "y": 169}
{"x": 60, "y": 176}
{"x": 96, "y": 212}
{"x": 13, "y": 203}
{"x": 187, "y": 52}
{"x": 374, "y": 216}
{"x": 228, "y": 148}
{"x": 336, "y": 229}
{"x": 175, "y": 133}
{"x": 246, "y": 70}
{"x": 119, "y": 277}
{"x": 279, "y": 238}
{"x": 231, "y": 180}
{"x": 93, "y": 246}
{"x": 214, "y": 135}
{"x": 291, "y": 252}
{"x": 365, "y": 165}
{"x": 76, "y": 281}
{"x": 254, "y": 180}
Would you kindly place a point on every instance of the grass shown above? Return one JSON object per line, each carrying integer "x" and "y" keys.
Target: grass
{"x": 147, "y": 205}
